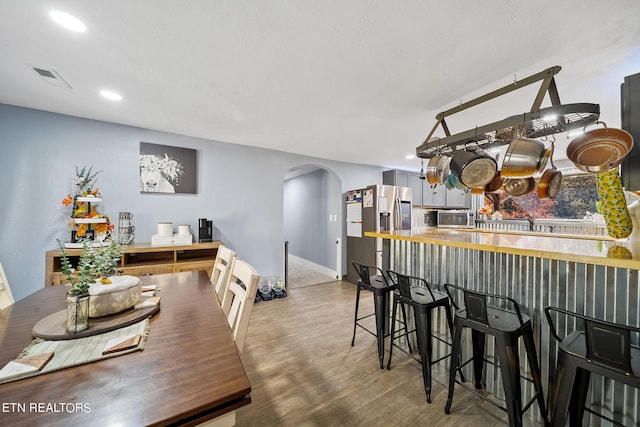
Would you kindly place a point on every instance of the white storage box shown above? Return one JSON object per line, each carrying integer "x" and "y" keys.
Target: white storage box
{"x": 176, "y": 239}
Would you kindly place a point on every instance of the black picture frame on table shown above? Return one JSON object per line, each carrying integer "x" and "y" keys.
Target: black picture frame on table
{"x": 89, "y": 235}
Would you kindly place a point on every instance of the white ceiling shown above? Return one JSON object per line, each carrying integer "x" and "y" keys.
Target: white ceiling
{"x": 357, "y": 81}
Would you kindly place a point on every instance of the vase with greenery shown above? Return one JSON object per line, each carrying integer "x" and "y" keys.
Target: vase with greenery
{"x": 94, "y": 263}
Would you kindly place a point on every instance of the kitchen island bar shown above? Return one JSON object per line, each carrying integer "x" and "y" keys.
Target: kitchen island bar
{"x": 598, "y": 278}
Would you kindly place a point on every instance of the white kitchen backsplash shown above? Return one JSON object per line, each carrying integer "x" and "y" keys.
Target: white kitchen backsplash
{"x": 418, "y": 216}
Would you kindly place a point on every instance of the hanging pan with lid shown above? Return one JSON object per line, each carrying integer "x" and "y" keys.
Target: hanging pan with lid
{"x": 599, "y": 150}
{"x": 474, "y": 168}
{"x": 524, "y": 158}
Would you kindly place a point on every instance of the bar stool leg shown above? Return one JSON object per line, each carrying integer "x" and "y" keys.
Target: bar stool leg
{"x": 423, "y": 327}
{"x": 561, "y": 391}
{"x": 455, "y": 357}
{"x": 426, "y": 373}
{"x": 579, "y": 397}
{"x": 393, "y": 331}
{"x": 477, "y": 340}
{"x": 535, "y": 372}
{"x": 510, "y": 369}
{"x": 380, "y": 299}
{"x": 355, "y": 318}
{"x": 406, "y": 326}
{"x": 449, "y": 314}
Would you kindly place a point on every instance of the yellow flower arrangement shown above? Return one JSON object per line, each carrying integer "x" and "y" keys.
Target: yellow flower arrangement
{"x": 84, "y": 180}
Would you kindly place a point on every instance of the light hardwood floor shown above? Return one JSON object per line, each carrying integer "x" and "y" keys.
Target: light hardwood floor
{"x": 304, "y": 372}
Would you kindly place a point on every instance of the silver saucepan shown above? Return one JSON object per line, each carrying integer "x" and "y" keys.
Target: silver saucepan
{"x": 437, "y": 170}
{"x": 524, "y": 158}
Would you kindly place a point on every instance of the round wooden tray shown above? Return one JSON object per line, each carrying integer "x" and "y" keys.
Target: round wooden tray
{"x": 54, "y": 326}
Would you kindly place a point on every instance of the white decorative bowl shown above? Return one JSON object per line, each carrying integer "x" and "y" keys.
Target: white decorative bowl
{"x": 122, "y": 293}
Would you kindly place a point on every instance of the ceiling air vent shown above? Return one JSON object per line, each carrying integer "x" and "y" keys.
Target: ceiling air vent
{"x": 51, "y": 77}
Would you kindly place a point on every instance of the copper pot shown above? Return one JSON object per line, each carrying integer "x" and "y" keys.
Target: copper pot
{"x": 519, "y": 186}
{"x": 600, "y": 150}
{"x": 495, "y": 185}
{"x": 550, "y": 183}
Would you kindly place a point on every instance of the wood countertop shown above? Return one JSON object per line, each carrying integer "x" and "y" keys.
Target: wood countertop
{"x": 622, "y": 253}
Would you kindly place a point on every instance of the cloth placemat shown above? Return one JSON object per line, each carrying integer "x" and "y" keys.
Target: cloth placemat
{"x": 67, "y": 353}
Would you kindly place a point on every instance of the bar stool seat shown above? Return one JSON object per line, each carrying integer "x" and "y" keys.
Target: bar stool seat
{"x": 504, "y": 321}
{"x": 379, "y": 285}
{"x": 423, "y": 300}
{"x": 595, "y": 346}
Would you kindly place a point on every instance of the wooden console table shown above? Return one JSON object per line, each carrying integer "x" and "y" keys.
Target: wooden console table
{"x": 143, "y": 258}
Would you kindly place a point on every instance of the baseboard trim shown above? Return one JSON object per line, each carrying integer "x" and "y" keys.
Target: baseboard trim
{"x": 315, "y": 267}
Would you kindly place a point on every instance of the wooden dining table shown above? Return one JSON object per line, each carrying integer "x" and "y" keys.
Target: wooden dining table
{"x": 188, "y": 372}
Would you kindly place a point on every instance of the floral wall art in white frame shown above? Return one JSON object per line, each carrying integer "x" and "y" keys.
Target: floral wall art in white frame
{"x": 167, "y": 169}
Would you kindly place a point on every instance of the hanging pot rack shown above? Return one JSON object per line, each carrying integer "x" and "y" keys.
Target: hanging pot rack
{"x": 536, "y": 123}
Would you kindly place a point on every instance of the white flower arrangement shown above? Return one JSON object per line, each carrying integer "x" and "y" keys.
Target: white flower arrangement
{"x": 85, "y": 179}
{"x": 169, "y": 168}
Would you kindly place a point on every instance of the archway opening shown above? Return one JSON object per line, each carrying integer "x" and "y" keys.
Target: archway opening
{"x": 312, "y": 223}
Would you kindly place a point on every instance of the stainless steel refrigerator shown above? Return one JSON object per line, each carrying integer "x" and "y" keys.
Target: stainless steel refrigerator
{"x": 378, "y": 208}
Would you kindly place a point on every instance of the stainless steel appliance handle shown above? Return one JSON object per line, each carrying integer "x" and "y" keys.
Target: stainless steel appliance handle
{"x": 398, "y": 219}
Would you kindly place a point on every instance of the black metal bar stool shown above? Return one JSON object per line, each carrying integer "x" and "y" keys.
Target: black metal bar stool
{"x": 503, "y": 320}
{"x": 378, "y": 284}
{"x": 415, "y": 292}
{"x": 594, "y": 346}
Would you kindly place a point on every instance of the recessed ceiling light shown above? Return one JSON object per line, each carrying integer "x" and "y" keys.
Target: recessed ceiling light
{"x": 67, "y": 21}
{"x": 550, "y": 118}
{"x": 410, "y": 156}
{"x": 111, "y": 95}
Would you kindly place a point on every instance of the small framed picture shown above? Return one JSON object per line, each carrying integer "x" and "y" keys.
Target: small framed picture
{"x": 89, "y": 235}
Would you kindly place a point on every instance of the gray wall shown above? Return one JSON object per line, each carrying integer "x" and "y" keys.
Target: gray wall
{"x": 312, "y": 208}
{"x": 239, "y": 187}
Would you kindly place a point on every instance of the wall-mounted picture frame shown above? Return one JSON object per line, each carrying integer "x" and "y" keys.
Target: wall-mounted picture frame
{"x": 167, "y": 169}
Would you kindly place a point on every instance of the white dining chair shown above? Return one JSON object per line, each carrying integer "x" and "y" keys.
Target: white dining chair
{"x": 238, "y": 299}
{"x": 222, "y": 271}
{"x": 6, "y": 297}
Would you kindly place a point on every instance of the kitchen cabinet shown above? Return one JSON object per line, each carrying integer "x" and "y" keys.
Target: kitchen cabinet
{"x": 434, "y": 197}
{"x": 630, "y": 108}
{"x": 415, "y": 183}
{"x": 405, "y": 179}
{"x": 458, "y": 199}
{"x": 395, "y": 177}
{"x": 424, "y": 195}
